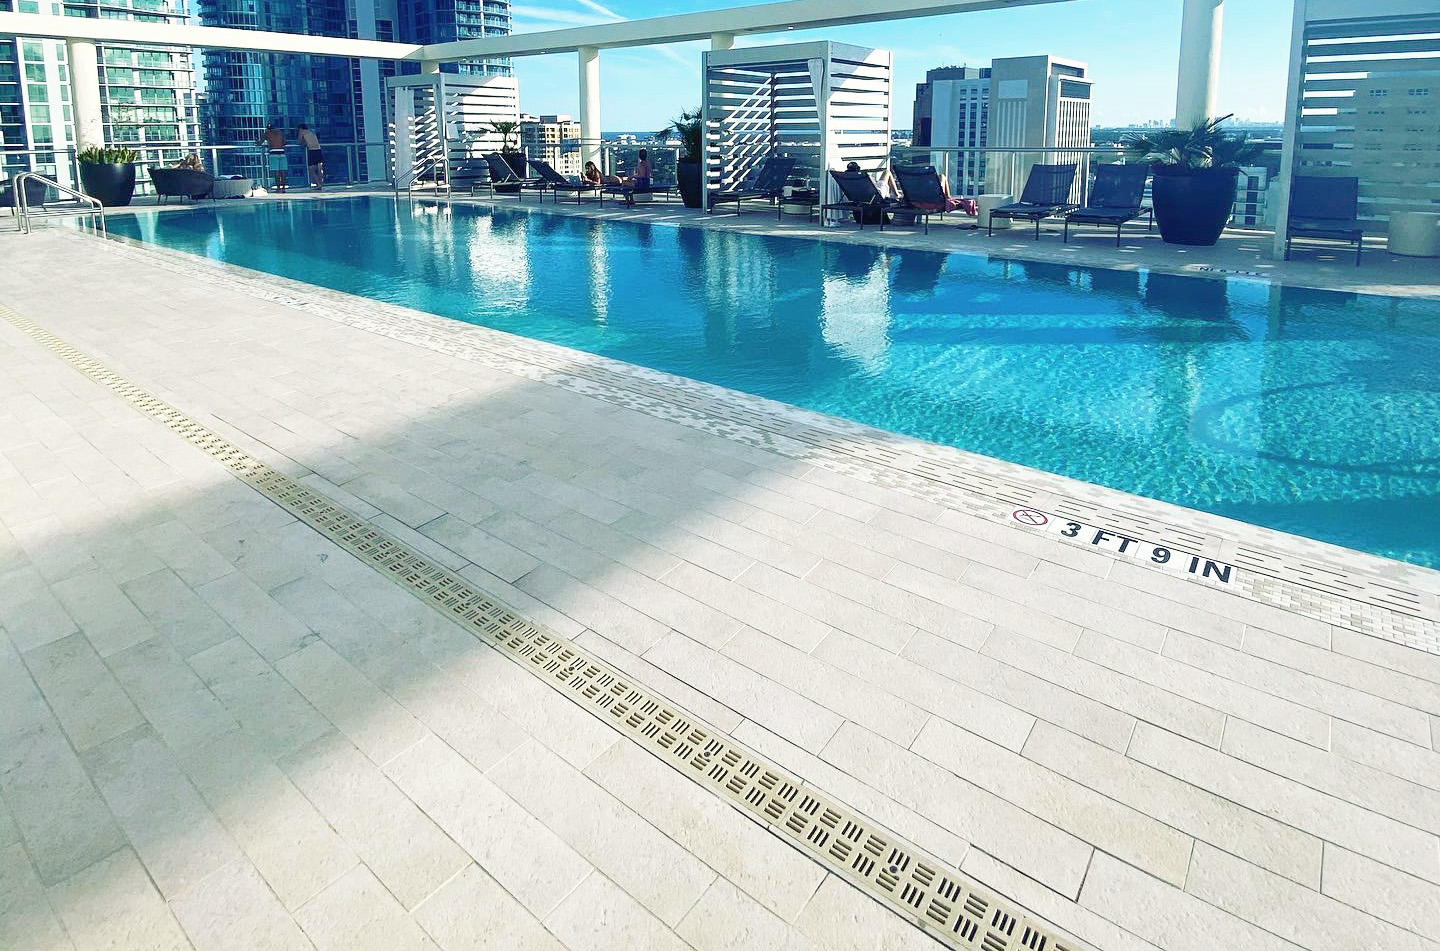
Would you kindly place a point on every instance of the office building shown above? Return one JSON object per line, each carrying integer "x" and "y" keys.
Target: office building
{"x": 343, "y": 100}
{"x": 1017, "y": 102}
{"x": 147, "y": 93}
{"x": 546, "y": 138}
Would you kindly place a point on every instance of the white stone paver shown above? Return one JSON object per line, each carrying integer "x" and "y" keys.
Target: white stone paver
{"x": 219, "y": 730}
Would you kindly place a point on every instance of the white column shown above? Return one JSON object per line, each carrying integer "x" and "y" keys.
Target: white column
{"x": 429, "y": 66}
{"x": 85, "y": 92}
{"x": 1199, "y": 77}
{"x": 722, "y": 41}
{"x": 589, "y": 104}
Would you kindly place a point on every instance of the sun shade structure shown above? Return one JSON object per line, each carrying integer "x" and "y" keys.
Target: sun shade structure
{"x": 822, "y": 104}
{"x": 439, "y": 121}
{"x": 1364, "y": 92}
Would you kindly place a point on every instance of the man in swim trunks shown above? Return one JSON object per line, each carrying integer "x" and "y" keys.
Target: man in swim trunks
{"x": 274, "y": 141}
{"x": 314, "y": 158}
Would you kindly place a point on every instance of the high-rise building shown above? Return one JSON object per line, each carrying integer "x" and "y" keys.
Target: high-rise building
{"x": 1018, "y": 102}
{"x": 952, "y": 111}
{"x": 544, "y": 138}
{"x": 147, "y": 93}
{"x": 342, "y": 100}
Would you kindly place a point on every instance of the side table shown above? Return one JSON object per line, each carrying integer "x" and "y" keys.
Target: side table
{"x": 986, "y": 204}
{"x": 799, "y": 202}
{"x": 1414, "y": 233}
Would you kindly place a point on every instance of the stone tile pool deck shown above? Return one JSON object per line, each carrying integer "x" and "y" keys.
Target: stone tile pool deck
{"x": 221, "y": 729}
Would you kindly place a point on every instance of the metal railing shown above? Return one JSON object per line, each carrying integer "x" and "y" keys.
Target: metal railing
{"x": 345, "y": 162}
{"x": 21, "y": 206}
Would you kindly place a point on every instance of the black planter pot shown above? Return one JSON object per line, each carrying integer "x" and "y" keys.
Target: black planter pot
{"x": 1193, "y": 205}
{"x": 112, "y": 185}
{"x": 687, "y": 179}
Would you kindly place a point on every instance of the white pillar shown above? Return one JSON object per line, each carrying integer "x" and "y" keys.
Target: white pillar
{"x": 85, "y": 92}
{"x": 429, "y": 66}
{"x": 722, "y": 41}
{"x": 589, "y": 104}
{"x": 1199, "y": 76}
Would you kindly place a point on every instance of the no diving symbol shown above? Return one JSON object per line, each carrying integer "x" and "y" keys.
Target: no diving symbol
{"x": 1029, "y": 517}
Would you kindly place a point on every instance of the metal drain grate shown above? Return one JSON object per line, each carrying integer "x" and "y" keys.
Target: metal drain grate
{"x": 940, "y": 900}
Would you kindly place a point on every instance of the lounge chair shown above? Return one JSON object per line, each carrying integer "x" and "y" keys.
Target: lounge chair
{"x": 862, "y": 199}
{"x": 1047, "y": 193}
{"x": 557, "y": 183}
{"x": 470, "y": 174}
{"x": 1116, "y": 198}
{"x": 1325, "y": 209}
{"x": 769, "y": 182}
{"x": 924, "y": 193}
{"x": 502, "y": 176}
{"x": 189, "y": 183}
{"x": 34, "y": 193}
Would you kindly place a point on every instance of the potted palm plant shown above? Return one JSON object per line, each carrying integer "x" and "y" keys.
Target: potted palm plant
{"x": 508, "y": 129}
{"x": 1195, "y": 173}
{"x": 108, "y": 174}
{"x": 687, "y": 127}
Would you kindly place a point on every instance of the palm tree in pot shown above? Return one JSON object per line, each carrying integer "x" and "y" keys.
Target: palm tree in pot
{"x": 108, "y": 174}
{"x": 687, "y": 127}
{"x": 1195, "y": 173}
{"x": 508, "y": 129}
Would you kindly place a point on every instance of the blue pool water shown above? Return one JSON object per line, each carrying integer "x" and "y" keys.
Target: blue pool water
{"x": 1313, "y": 412}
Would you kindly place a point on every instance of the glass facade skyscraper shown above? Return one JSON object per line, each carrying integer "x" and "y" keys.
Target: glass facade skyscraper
{"x": 341, "y": 99}
{"x": 147, "y": 93}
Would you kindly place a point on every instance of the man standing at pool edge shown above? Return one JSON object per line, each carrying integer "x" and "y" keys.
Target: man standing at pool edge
{"x": 274, "y": 140}
{"x": 314, "y": 158}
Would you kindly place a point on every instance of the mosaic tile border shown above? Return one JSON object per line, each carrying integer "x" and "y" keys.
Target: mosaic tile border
{"x": 937, "y": 898}
{"x": 1375, "y": 596}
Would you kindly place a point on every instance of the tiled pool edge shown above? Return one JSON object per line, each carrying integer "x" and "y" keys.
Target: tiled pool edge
{"x": 940, "y": 900}
{"x": 1313, "y": 579}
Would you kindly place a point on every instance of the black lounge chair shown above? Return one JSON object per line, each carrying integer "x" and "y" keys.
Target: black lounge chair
{"x": 1325, "y": 209}
{"x": 34, "y": 193}
{"x": 862, "y": 199}
{"x": 923, "y": 193}
{"x": 176, "y": 182}
{"x": 503, "y": 176}
{"x": 1117, "y": 197}
{"x": 769, "y": 182}
{"x": 1047, "y": 193}
{"x": 470, "y": 174}
{"x": 556, "y": 183}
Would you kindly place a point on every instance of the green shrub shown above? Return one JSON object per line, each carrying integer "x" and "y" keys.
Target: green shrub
{"x": 106, "y": 155}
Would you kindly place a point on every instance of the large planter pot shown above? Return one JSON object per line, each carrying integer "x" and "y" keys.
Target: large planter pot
{"x": 687, "y": 179}
{"x": 1193, "y": 205}
{"x": 112, "y": 185}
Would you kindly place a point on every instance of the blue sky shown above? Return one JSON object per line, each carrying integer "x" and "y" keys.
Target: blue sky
{"x": 1130, "y": 45}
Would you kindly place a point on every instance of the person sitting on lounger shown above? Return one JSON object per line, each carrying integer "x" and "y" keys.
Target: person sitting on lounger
{"x": 884, "y": 185}
{"x": 591, "y": 175}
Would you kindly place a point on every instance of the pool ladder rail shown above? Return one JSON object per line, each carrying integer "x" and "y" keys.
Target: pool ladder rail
{"x": 20, "y": 207}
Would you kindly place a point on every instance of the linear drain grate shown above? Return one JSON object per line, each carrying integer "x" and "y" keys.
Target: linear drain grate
{"x": 938, "y": 899}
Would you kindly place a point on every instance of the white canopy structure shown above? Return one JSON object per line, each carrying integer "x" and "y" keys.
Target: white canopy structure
{"x": 437, "y": 116}
{"x": 1364, "y": 96}
{"x": 823, "y": 104}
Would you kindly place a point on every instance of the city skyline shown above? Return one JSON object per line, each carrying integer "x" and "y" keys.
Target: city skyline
{"x": 1131, "y": 45}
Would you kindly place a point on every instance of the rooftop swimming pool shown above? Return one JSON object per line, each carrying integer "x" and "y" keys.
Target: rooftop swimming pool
{"x": 1313, "y": 412}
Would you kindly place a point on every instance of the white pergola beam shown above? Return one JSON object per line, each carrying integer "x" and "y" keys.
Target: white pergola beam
{"x": 760, "y": 18}
{"x": 209, "y": 37}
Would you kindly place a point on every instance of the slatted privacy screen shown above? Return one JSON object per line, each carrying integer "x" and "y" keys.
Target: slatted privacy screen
{"x": 1369, "y": 103}
{"x": 439, "y": 115}
{"x": 823, "y": 104}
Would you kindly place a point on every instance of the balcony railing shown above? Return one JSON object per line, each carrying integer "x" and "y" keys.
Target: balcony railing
{"x": 345, "y": 162}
